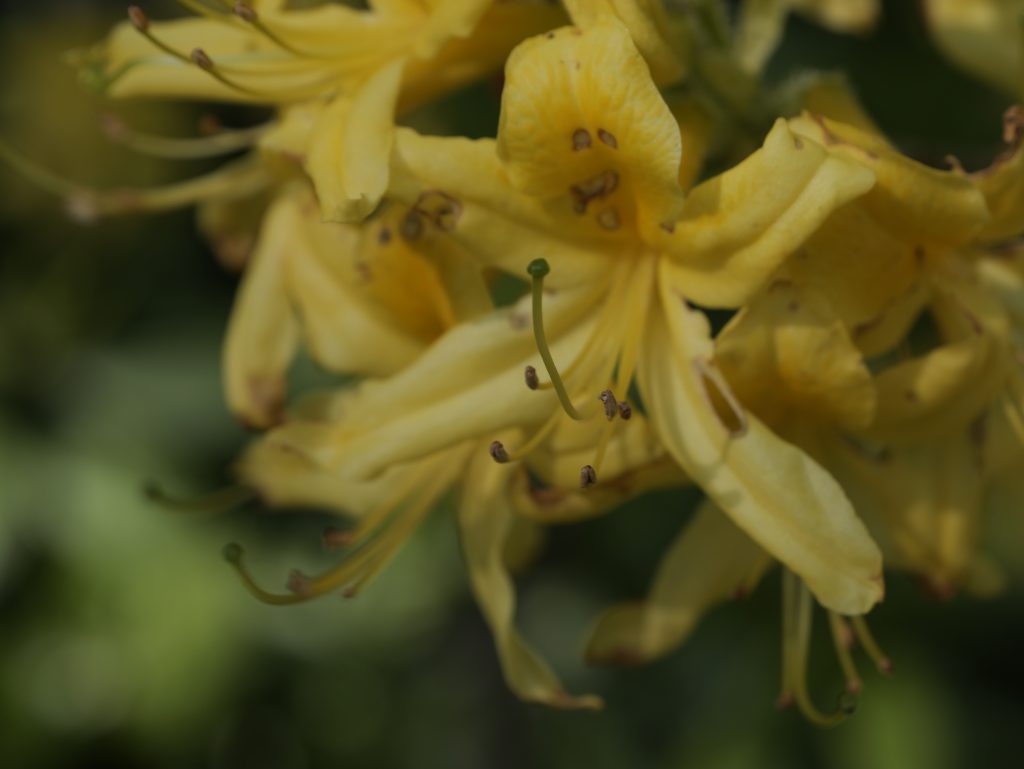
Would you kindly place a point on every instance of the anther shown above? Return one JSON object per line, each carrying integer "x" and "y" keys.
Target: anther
{"x": 588, "y": 476}
{"x": 201, "y": 59}
{"x": 299, "y": 584}
{"x": 530, "y": 375}
{"x": 608, "y": 138}
{"x": 498, "y": 452}
{"x": 138, "y": 18}
{"x": 581, "y": 139}
{"x": 335, "y": 538}
{"x": 611, "y": 406}
{"x": 412, "y": 226}
{"x": 245, "y": 12}
{"x": 600, "y": 186}
{"x": 609, "y": 219}
{"x": 625, "y": 410}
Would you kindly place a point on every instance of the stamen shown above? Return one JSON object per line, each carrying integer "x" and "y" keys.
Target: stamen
{"x": 608, "y": 138}
{"x": 537, "y": 438}
{"x": 498, "y": 452}
{"x": 530, "y": 374}
{"x": 538, "y": 269}
{"x": 842, "y": 639}
{"x": 588, "y": 476}
{"x": 625, "y": 410}
{"x": 600, "y": 186}
{"x": 248, "y": 14}
{"x": 797, "y": 620}
{"x": 219, "y": 501}
{"x": 611, "y": 406}
{"x": 221, "y": 143}
{"x": 201, "y": 59}
{"x": 335, "y": 538}
{"x": 581, "y": 139}
{"x": 874, "y": 651}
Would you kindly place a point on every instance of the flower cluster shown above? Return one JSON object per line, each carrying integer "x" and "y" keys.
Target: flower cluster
{"x": 858, "y": 392}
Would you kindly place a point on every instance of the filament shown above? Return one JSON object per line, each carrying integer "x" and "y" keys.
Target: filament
{"x": 219, "y": 501}
{"x": 841, "y": 640}
{"x": 874, "y": 651}
{"x": 221, "y": 143}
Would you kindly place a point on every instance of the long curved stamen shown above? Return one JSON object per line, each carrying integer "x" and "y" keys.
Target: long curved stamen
{"x": 842, "y": 638}
{"x": 538, "y": 269}
{"x": 220, "y": 143}
{"x": 797, "y": 607}
{"x": 219, "y": 501}
{"x": 874, "y": 651}
{"x": 248, "y": 14}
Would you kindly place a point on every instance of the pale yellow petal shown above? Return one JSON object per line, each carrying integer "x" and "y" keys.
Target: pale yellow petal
{"x": 350, "y": 147}
{"x": 263, "y": 332}
{"x": 772, "y": 490}
{"x": 985, "y": 37}
{"x": 789, "y": 358}
{"x": 737, "y": 228}
{"x": 663, "y": 45}
{"x": 1002, "y": 183}
{"x": 709, "y": 561}
{"x": 580, "y": 111}
{"x": 485, "y": 522}
{"x": 922, "y": 502}
{"x": 921, "y": 205}
{"x": 468, "y": 385}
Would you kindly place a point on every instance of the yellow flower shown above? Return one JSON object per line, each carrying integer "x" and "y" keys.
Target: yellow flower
{"x": 363, "y": 300}
{"x": 356, "y": 67}
{"x": 585, "y": 175}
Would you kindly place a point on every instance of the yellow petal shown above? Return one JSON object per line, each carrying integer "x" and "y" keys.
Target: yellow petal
{"x": 921, "y": 205}
{"x": 462, "y": 60}
{"x": 788, "y": 357}
{"x": 922, "y": 502}
{"x": 497, "y": 224}
{"x": 263, "y": 332}
{"x": 485, "y": 521}
{"x": 871, "y": 277}
{"x": 944, "y": 390}
{"x": 583, "y": 124}
{"x": 663, "y": 45}
{"x": 738, "y": 227}
{"x": 350, "y": 147}
{"x": 1003, "y": 183}
{"x": 772, "y": 490}
{"x": 709, "y": 562}
{"x": 468, "y": 385}
{"x": 985, "y": 37}
{"x": 762, "y": 22}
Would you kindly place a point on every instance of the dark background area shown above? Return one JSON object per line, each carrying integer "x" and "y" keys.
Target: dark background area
{"x": 125, "y": 641}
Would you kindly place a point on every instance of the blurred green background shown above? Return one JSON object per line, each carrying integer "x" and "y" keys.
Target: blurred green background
{"x": 125, "y": 641}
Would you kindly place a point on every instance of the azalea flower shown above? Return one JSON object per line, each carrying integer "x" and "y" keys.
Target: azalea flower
{"x": 582, "y": 184}
{"x": 354, "y": 68}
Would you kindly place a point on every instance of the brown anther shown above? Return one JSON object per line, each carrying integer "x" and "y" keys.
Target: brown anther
{"x": 498, "y": 452}
{"x": 384, "y": 236}
{"x": 530, "y": 375}
{"x": 625, "y": 410}
{"x": 245, "y": 12}
{"x": 885, "y": 665}
{"x": 138, "y": 18}
{"x": 210, "y": 125}
{"x": 336, "y": 538}
{"x": 299, "y": 583}
{"x": 581, "y": 139}
{"x": 608, "y": 138}
{"x": 201, "y": 59}
{"x": 113, "y": 127}
{"x": 611, "y": 406}
{"x": 609, "y": 219}
{"x": 588, "y": 476}
{"x": 1013, "y": 125}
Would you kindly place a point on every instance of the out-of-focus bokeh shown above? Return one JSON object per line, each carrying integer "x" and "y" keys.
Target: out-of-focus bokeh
{"x": 125, "y": 641}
